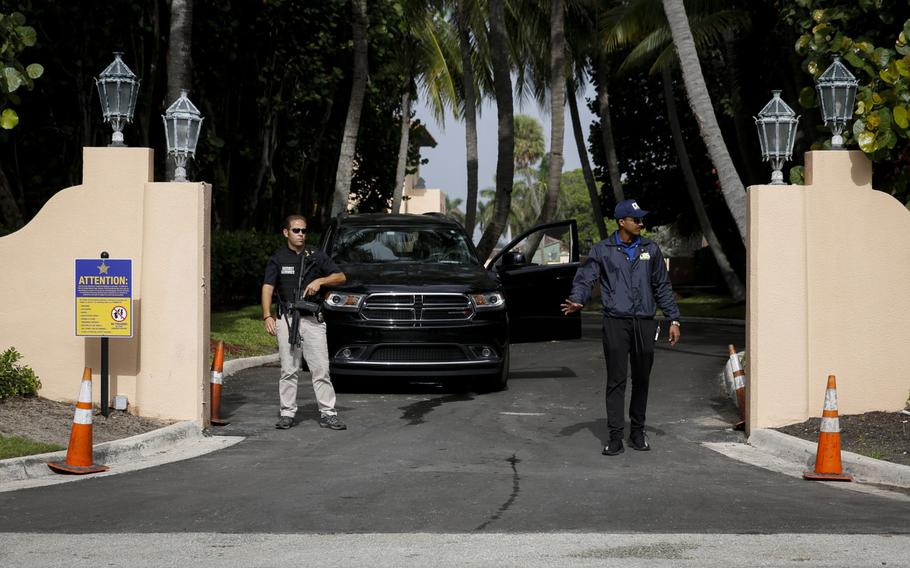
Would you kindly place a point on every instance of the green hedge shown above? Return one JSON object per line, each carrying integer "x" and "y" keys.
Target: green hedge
{"x": 16, "y": 379}
{"x": 238, "y": 264}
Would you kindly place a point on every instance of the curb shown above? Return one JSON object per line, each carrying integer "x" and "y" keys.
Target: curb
{"x": 181, "y": 440}
{"x": 865, "y": 469}
{"x": 233, "y": 366}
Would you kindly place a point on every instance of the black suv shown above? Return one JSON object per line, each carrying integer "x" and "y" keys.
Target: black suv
{"x": 418, "y": 302}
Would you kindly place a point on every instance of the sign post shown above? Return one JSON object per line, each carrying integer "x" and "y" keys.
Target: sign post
{"x": 104, "y": 306}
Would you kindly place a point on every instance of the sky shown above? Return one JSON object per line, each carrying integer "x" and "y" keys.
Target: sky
{"x": 446, "y": 169}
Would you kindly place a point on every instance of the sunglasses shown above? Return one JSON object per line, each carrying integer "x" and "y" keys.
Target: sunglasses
{"x": 637, "y": 220}
{"x": 298, "y": 230}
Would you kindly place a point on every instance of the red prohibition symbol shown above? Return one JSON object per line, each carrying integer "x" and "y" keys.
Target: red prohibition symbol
{"x": 118, "y": 313}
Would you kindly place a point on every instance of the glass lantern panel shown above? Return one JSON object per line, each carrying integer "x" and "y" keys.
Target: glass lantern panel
{"x": 182, "y": 132}
{"x": 829, "y": 110}
{"x": 122, "y": 98}
{"x": 193, "y": 135}
{"x": 171, "y": 134}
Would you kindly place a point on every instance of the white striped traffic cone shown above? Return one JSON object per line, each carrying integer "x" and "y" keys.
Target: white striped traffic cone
{"x": 739, "y": 383}
{"x": 79, "y": 457}
{"x": 827, "y": 460}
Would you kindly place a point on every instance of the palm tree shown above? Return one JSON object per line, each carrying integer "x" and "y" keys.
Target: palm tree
{"x": 590, "y": 182}
{"x": 557, "y": 109}
{"x": 643, "y": 25}
{"x": 360, "y": 24}
{"x": 179, "y": 57}
{"x": 453, "y": 209}
{"x": 426, "y": 37}
{"x": 700, "y": 101}
{"x": 502, "y": 83}
{"x": 529, "y": 149}
{"x": 469, "y": 99}
{"x": 737, "y": 290}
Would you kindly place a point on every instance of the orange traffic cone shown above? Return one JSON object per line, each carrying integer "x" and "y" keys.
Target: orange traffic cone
{"x": 739, "y": 383}
{"x": 217, "y": 375}
{"x": 79, "y": 452}
{"x": 827, "y": 460}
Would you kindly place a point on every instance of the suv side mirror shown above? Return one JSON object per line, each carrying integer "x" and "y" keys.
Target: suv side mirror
{"x": 514, "y": 258}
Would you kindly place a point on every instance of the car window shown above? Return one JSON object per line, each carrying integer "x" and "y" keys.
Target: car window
{"x": 545, "y": 247}
{"x": 374, "y": 245}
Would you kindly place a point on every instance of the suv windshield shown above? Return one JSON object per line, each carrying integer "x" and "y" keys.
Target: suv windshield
{"x": 371, "y": 245}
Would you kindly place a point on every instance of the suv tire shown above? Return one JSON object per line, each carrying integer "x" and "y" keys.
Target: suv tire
{"x": 499, "y": 381}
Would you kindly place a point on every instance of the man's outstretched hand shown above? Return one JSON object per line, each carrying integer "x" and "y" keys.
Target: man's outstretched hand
{"x": 569, "y": 307}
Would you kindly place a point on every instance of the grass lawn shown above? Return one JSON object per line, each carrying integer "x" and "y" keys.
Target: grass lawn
{"x": 14, "y": 447}
{"x": 242, "y": 333}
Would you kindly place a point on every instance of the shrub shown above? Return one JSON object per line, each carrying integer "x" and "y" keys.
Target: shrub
{"x": 238, "y": 264}
{"x": 16, "y": 379}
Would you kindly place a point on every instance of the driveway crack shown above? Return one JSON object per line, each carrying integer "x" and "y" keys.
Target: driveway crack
{"x": 516, "y": 479}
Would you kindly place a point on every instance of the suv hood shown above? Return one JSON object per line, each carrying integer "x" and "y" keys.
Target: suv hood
{"x": 416, "y": 276}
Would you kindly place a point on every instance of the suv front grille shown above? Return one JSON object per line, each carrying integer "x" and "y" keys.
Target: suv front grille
{"x": 417, "y": 307}
{"x": 417, "y": 354}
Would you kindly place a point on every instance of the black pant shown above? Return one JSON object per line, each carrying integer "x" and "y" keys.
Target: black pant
{"x": 627, "y": 340}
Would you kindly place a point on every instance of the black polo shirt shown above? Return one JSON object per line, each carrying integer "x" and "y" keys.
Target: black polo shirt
{"x": 282, "y": 270}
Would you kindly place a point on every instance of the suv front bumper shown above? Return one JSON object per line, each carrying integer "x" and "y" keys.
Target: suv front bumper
{"x": 370, "y": 348}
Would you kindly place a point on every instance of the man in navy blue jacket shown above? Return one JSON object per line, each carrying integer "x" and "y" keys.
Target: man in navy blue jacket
{"x": 633, "y": 283}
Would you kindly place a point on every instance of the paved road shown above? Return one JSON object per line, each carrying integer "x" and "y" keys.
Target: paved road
{"x": 433, "y": 459}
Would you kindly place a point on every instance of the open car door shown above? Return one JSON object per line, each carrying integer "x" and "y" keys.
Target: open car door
{"x": 536, "y": 270}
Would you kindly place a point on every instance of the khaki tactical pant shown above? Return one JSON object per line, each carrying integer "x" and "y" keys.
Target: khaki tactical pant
{"x": 314, "y": 350}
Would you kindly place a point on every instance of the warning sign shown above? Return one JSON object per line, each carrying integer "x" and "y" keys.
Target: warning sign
{"x": 104, "y": 297}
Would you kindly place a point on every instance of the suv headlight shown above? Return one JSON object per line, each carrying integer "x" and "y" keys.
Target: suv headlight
{"x": 488, "y": 301}
{"x": 342, "y": 301}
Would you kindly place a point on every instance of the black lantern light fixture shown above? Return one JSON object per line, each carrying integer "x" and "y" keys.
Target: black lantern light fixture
{"x": 182, "y": 123}
{"x": 836, "y": 93}
{"x": 118, "y": 88}
{"x": 776, "y": 124}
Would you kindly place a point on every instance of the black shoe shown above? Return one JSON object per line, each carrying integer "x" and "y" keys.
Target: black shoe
{"x": 284, "y": 423}
{"x": 331, "y": 421}
{"x": 639, "y": 441}
{"x": 614, "y": 448}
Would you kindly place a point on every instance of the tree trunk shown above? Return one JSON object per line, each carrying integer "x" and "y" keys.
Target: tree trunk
{"x": 505, "y": 167}
{"x": 737, "y": 290}
{"x": 402, "y": 148}
{"x": 700, "y": 100}
{"x": 179, "y": 59}
{"x": 586, "y": 164}
{"x": 10, "y": 214}
{"x": 470, "y": 119}
{"x": 557, "y": 109}
{"x": 606, "y": 129}
{"x": 352, "y": 122}
{"x": 741, "y": 123}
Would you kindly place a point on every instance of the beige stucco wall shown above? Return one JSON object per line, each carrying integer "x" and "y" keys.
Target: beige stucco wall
{"x": 828, "y": 273}
{"x": 164, "y": 229}
{"x": 423, "y": 201}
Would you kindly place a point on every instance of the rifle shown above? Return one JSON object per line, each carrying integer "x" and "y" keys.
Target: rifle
{"x": 299, "y": 305}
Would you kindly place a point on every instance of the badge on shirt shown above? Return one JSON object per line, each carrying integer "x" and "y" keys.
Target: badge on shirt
{"x": 645, "y": 256}
{"x": 287, "y": 270}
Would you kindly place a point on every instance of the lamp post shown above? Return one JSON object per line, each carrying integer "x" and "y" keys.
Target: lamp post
{"x": 776, "y": 124}
{"x": 836, "y": 93}
{"x": 118, "y": 88}
{"x": 182, "y": 122}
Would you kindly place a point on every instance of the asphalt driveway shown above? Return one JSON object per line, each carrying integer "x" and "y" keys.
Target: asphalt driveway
{"x": 435, "y": 458}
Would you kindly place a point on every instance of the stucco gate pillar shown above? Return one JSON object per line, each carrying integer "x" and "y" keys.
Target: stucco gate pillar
{"x": 164, "y": 229}
{"x": 828, "y": 276}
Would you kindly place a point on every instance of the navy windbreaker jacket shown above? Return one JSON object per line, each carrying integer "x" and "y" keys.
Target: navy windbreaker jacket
{"x": 628, "y": 288}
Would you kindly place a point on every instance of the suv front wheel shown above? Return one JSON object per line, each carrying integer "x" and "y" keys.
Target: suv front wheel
{"x": 500, "y": 380}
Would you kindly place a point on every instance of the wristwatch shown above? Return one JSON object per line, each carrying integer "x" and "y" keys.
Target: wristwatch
{"x": 675, "y": 322}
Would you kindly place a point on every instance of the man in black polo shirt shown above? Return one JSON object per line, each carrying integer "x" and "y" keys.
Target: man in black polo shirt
{"x": 298, "y": 272}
